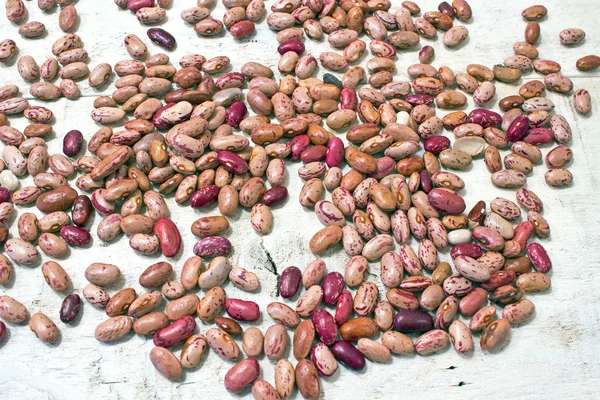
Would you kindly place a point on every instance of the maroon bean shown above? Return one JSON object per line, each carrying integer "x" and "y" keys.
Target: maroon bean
{"x": 204, "y": 196}
{"x": 335, "y": 152}
{"x": 420, "y": 98}
{"x": 411, "y": 321}
{"x": 232, "y": 162}
{"x": 176, "y": 333}
{"x": 297, "y": 145}
{"x": 325, "y": 326}
{"x": 518, "y": 128}
{"x": 236, "y": 112}
{"x": 72, "y": 143}
{"x": 212, "y": 246}
{"x": 242, "y": 310}
{"x": 468, "y": 249}
{"x": 497, "y": 279}
{"x": 242, "y": 29}
{"x": 537, "y": 136}
{"x": 348, "y": 99}
{"x": 74, "y": 235}
{"x": 348, "y": 354}
{"x": 82, "y": 210}
{"x": 162, "y": 38}
{"x": 274, "y": 196}
{"x": 539, "y": 257}
{"x": 485, "y": 118}
{"x": 289, "y": 282}
{"x": 333, "y": 285}
{"x": 294, "y": 45}
{"x": 2, "y": 331}
{"x": 313, "y": 153}
{"x": 446, "y": 201}
{"x": 344, "y": 307}
{"x": 425, "y": 181}
{"x": 4, "y": 195}
{"x": 168, "y": 236}
{"x": 436, "y": 144}
{"x": 70, "y": 308}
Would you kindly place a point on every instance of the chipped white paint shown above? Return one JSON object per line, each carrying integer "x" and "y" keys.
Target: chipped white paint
{"x": 553, "y": 356}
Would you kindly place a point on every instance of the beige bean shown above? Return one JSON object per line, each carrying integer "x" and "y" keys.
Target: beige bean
{"x": 43, "y": 327}
{"x": 222, "y": 344}
{"x": 12, "y": 311}
{"x": 166, "y": 363}
{"x": 211, "y": 304}
{"x": 193, "y": 351}
{"x": 56, "y": 277}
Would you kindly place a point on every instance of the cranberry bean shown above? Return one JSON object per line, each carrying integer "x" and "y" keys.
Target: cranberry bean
{"x": 75, "y": 236}
{"x": 289, "y": 282}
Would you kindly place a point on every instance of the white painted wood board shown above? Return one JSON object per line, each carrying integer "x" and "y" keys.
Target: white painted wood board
{"x": 553, "y": 356}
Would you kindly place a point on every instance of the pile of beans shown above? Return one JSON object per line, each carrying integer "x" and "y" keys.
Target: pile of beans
{"x": 187, "y": 146}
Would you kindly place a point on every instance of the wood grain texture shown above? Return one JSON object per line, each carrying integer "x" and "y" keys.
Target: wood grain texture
{"x": 553, "y": 356}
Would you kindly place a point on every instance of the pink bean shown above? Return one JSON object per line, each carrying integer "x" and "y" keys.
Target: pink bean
{"x": 242, "y": 310}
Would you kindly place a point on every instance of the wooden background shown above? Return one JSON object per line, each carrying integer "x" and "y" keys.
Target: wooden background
{"x": 555, "y": 355}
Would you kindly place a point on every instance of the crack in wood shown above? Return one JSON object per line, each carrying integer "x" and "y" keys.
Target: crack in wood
{"x": 273, "y": 268}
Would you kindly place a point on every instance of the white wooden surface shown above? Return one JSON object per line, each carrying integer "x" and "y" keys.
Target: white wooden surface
{"x": 553, "y": 356}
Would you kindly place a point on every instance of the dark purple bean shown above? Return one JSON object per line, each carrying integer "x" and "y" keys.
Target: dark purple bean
{"x": 426, "y": 182}
{"x": 236, "y": 113}
{"x": 294, "y": 45}
{"x": 467, "y": 249}
{"x": 274, "y": 196}
{"x": 485, "y": 118}
{"x": 332, "y": 80}
{"x": 289, "y": 282}
{"x": 436, "y": 144}
{"x": 2, "y": 331}
{"x": 232, "y": 162}
{"x": 212, "y": 246}
{"x": 446, "y": 8}
{"x": 333, "y": 285}
{"x": 297, "y": 145}
{"x": 313, "y": 153}
{"x": 70, "y": 308}
{"x": 82, "y": 210}
{"x": 420, "y": 98}
{"x": 204, "y": 196}
{"x": 411, "y": 321}
{"x": 325, "y": 326}
{"x": 74, "y": 235}
{"x": 4, "y": 195}
{"x": 349, "y": 355}
{"x": 162, "y": 38}
{"x": 518, "y": 128}
{"x": 72, "y": 143}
